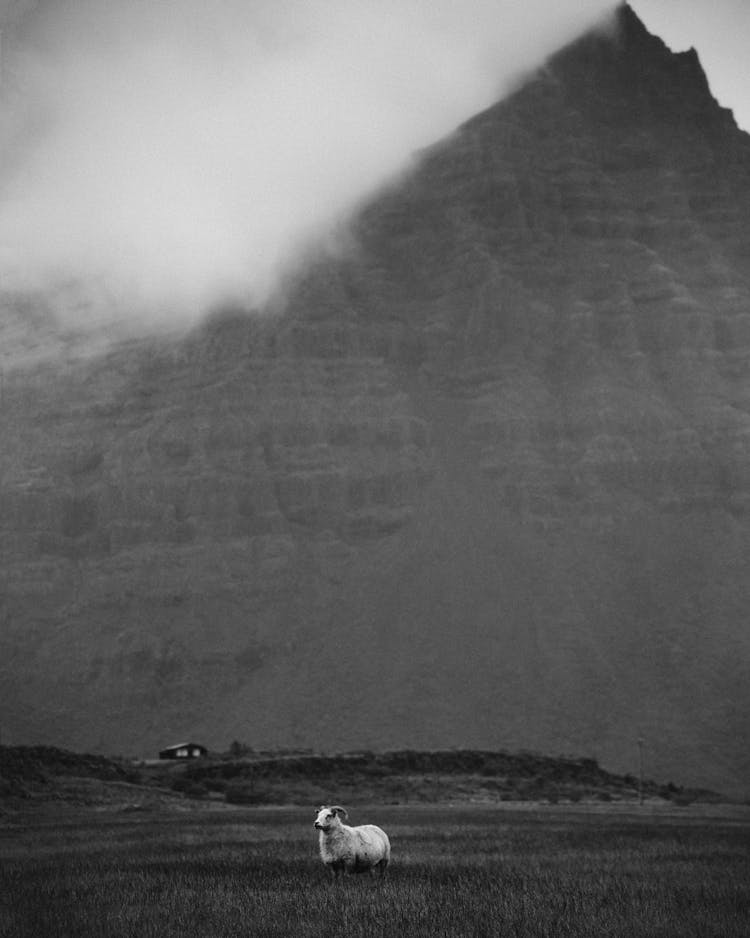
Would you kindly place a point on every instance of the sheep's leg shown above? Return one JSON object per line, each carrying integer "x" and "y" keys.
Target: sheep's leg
{"x": 338, "y": 869}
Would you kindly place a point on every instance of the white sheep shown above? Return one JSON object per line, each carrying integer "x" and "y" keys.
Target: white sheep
{"x": 346, "y": 849}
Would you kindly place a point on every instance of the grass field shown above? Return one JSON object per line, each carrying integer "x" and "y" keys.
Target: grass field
{"x": 457, "y": 871}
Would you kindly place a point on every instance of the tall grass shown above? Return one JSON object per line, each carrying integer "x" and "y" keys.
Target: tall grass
{"x": 456, "y": 872}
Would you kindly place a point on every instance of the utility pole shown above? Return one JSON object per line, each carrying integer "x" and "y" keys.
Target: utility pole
{"x": 640, "y": 770}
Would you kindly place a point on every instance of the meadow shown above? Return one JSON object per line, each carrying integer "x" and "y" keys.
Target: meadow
{"x": 506, "y": 870}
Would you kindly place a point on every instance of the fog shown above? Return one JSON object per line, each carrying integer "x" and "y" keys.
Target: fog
{"x": 165, "y": 157}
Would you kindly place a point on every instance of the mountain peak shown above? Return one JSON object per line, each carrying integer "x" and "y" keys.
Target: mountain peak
{"x": 619, "y": 75}
{"x": 628, "y": 70}
{"x": 629, "y": 22}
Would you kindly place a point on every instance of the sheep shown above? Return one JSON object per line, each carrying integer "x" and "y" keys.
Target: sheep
{"x": 346, "y": 849}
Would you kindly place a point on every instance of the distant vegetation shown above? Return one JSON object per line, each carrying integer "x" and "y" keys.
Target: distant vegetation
{"x": 244, "y": 777}
{"x": 25, "y": 769}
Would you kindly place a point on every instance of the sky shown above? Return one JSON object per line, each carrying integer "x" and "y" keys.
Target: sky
{"x": 163, "y": 158}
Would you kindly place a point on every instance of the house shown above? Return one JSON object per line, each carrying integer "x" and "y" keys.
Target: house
{"x": 183, "y": 751}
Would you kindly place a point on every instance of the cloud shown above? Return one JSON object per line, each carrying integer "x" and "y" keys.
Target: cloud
{"x": 169, "y": 155}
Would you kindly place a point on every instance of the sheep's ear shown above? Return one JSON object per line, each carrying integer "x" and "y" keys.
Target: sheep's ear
{"x": 337, "y": 809}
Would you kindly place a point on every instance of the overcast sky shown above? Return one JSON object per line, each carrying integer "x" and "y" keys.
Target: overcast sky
{"x": 178, "y": 152}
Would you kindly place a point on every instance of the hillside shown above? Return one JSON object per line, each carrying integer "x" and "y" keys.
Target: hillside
{"x": 480, "y": 482}
{"x": 37, "y": 776}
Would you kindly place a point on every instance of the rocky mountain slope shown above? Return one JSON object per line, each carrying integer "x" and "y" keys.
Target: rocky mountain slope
{"x": 482, "y": 481}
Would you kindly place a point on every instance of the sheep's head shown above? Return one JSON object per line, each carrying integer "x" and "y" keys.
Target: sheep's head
{"x": 328, "y": 817}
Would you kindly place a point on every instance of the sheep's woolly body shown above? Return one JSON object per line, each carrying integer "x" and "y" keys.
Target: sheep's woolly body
{"x": 346, "y": 849}
{"x": 354, "y": 847}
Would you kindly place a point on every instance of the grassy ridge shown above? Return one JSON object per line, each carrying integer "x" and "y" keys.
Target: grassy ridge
{"x": 409, "y": 776}
{"x": 399, "y": 777}
{"x": 456, "y": 872}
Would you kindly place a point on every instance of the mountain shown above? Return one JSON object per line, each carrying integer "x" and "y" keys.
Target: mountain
{"x": 480, "y": 481}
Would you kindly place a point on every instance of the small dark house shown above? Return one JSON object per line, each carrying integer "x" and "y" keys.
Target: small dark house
{"x": 183, "y": 751}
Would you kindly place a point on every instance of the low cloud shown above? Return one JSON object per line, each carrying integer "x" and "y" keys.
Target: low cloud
{"x": 167, "y": 156}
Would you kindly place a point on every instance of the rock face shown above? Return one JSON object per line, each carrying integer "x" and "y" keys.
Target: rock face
{"x": 484, "y": 481}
